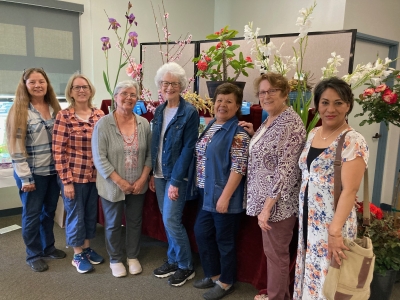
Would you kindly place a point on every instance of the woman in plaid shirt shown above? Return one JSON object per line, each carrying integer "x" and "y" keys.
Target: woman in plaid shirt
{"x": 29, "y": 129}
{"x": 72, "y": 152}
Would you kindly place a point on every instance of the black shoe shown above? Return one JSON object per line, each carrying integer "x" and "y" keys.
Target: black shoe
{"x": 217, "y": 292}
{"x": 56, "y": 254}
{"x": 165, "y": 270}
{"x": 204, "y": 283}
{"x": 38, "y": 265}
{"x": 180, "y": 277}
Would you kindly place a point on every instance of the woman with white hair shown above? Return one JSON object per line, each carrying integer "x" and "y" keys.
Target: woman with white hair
{"x": 174, "y": 134}
{"x": 121, "y": 154}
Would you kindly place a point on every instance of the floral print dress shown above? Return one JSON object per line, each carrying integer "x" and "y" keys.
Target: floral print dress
{"x": 312, "y": 263}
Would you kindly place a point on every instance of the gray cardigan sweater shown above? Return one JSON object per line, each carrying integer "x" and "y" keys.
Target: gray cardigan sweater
{"x": 108, "y": 154}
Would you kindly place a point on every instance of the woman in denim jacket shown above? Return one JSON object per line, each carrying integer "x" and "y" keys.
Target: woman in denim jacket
{"x": 174, "y": 134}
{"x": 221, "y": 163}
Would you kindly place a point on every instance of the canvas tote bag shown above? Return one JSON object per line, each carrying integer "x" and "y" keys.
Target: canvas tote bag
{"x": 352, "y": 279}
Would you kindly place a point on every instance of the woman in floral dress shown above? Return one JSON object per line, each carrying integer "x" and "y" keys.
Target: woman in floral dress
{"x": 321, "y": 230}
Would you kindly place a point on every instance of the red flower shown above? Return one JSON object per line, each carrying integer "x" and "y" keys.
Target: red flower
{"x": 217, "y": 33}
{"x": 229, "y": 43}
{"x": 248, "y": 59}
{"x": 202, "y": 65}
{"x": 218, "y": 45}
{"x": 381, "y": 88}
{"x": 375, "y": 211}
{"x": 389, "y": 97}
{"x": 207, "y": 58}
{"x": 368, "y": 92}
{"x": 398, "y": 76}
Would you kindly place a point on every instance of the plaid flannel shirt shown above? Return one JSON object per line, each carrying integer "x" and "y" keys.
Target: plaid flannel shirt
{"x": 39, "y": 160}
{"x": 72, "y": 150}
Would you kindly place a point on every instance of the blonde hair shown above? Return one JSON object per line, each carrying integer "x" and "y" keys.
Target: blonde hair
{"x": 17, "y": 118}
{"x": 68, "y": 88}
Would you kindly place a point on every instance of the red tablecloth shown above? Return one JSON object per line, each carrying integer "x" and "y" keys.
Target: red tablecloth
{"x": 252, "y": 265}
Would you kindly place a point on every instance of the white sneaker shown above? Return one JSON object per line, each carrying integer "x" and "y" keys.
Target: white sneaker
{"x": 118, "y": 269}
{"x": 134, "y": 266}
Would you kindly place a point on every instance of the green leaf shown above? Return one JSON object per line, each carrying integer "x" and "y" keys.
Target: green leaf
{"x": 245, "y": 73}
{"x": 107, "y": 84}
{"x": 233, "y": 47}
{"x": 235, "y": 64}
{"x": 212, "y": 36}
{"x": 123, "y": 65}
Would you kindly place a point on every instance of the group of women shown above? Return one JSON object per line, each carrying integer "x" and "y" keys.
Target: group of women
{"x": 276, "y": 173}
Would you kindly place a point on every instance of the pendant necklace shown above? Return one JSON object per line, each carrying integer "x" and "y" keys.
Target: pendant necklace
{"x": 320, "y": 132}
{"x": 123, "y": 135}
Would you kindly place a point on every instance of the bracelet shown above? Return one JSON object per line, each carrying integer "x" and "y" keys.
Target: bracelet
{"x": 334, "y": 235}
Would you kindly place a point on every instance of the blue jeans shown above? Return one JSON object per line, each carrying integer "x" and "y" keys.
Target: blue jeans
{"x": 38, "y": 209}
{"x": 179, "y": 250}
{"x": 216, "y": 239}
{"x": 81, "y": 220}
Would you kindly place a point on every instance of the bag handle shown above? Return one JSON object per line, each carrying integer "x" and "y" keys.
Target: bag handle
{"x": 337, "y": 186}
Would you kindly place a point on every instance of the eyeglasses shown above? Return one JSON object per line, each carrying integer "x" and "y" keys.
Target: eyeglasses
{"x": 77, "y": 88}
{"x": 126, "y": 95}
{"x": 270, "y": 92}
{"x": 173, "y": 84}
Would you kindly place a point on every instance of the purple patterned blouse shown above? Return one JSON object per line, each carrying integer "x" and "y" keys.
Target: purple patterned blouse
{"x": 273, "y": 166}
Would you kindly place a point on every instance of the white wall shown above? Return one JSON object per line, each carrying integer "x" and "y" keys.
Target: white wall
{"x": 379, "y": 19}
{"x": 275, "y": 17}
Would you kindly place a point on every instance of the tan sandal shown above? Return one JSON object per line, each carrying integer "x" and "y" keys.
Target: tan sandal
{"x": 261, "y": 297}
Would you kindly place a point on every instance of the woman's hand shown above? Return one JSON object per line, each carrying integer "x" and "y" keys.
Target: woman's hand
{"x": 28, "y": 188}
{"x": 247, "y": 126}
{"x": 69, "y": 191}
{"x": 124, "y": 186}
{"x": 138, "y": 185}
{"x": 173, "y": 193}
{"x": 336, "y": 247}
{"x": 263, "y": 218}
{"x": 222, "y": 205}
{"x": 152, "y": 185}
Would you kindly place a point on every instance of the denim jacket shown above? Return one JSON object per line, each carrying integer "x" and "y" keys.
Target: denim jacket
{"x": 179, "y": 141}
{"x": 218, "y": 168}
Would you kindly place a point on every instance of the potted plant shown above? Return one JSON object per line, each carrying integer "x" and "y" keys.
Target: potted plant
{"x": 380, "y": 102}
{"x": 214, "y": 64}
{"x": 386, "y": 243}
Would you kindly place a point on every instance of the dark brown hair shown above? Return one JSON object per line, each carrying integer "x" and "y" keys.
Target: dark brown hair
{"x": 229, "y": 88}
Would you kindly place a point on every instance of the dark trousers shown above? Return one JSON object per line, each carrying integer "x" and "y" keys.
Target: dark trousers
{"x": 113, "y": 220}
{"x": 216, "y": 239}
{"x": 276, "y": 247}
{"x": 38, "y": 210}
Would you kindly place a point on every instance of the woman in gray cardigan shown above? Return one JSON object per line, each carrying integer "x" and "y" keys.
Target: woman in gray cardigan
{"x": 121, "y": 154}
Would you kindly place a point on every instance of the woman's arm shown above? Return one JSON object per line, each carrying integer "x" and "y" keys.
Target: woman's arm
{"x": 137, "y": 186}
{"x": 230, "y": 187}
{"x": 352, "y": 174}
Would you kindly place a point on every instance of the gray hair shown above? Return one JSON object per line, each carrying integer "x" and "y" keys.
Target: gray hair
{"x": 126, "y": 84}
{"x": 173, "y": 69}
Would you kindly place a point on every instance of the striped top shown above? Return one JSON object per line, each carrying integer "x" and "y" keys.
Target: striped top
{"x": 39, "y": 160}
{"x": 72, "y": 148}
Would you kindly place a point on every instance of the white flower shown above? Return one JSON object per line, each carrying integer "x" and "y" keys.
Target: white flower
{"x": 303, "y": 11}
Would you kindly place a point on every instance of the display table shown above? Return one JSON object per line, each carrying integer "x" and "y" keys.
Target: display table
{"x": 252, "y": 265}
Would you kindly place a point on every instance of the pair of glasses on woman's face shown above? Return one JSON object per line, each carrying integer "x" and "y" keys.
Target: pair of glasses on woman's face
{"x": 127, "y": 95}
{"x": 77, "y": 88}
{"x": 173, "y": 84}
{"x": 270, "y": 92}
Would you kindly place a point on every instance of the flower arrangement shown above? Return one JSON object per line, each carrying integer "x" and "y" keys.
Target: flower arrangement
{"x": 125, "y": 58}
{"x": 205, "y": 105}
{"x": 384, "y": 237}
{"x": 268, "y": 58}
{"x": 382, "y": 105}
{"x": 213, "y": 64}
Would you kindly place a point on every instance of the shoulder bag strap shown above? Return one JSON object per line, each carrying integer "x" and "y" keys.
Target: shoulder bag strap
{"x": 337, "y": 189}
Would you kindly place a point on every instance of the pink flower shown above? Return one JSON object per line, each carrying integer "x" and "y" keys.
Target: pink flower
{"x": 368, "y": 92}
{"x": 202, "y": 65}
{"x": 248, "y": 59}
{"x": 380, "y": 88}
{"x": 218, "y": 45}
{"x": 229, "y": 43}
{"x": 217, "y": 32}
{"x": 389, "y": 97}
{"x": 207, "y": 58}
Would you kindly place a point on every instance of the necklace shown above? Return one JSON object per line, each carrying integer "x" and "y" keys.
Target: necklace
{"x": 320, "y": 132}
{"x": 123, "y": 135}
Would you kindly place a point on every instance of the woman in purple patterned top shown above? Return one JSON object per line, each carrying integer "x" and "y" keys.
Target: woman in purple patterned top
{"x": 273, "y": 178}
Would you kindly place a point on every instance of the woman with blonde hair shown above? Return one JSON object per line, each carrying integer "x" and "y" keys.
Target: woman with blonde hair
{"x": 29, "y": 132}
{"x": 72, "y": 152}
